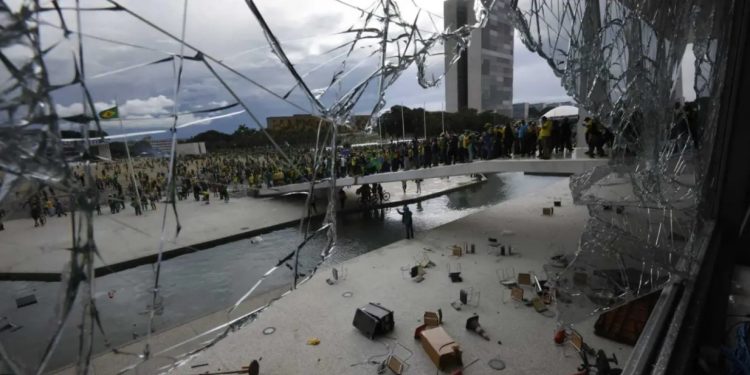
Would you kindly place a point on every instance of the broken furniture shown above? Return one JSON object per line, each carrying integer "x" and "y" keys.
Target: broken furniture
{"x": 457, "y": 251}
{"x": 506, "y": 277}
{"x": 454, "y": 272}
{"x": 524, "y": 279}
{"x": 557, "y": 203}
{"x": 441, "y": 348}
{"x": 472, "y": 324}
{"x": 417, "y": 273}
{"x": 493, "y": 245}
{"x": 373, "y": 319}
{"x": 395, "y": 364}
{"x": 336, "y": 275}
{"x": 601, "y": 364}
{"x": 469, "y": 297}
{"x": 252, "y": 369}
{"x": 516, "y": 294}
{"x": 432, "y": 319}
{"x": 548, "y": 211}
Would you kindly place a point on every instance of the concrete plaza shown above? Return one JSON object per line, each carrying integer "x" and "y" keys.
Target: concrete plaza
{"x": 520, "y": 336}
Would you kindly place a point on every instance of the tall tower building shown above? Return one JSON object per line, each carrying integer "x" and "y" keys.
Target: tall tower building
{"x": 483, "y": 78}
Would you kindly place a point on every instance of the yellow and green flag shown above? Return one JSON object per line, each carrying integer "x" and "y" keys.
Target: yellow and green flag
{"x": 109, "y": 113}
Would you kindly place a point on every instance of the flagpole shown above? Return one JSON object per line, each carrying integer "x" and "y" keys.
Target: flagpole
{"x": 380, "y": 131}
{"x": 424, "y": 119}
{"x": 442, "y": 115}
{"x": 403, "y": 128}
{"x": 130, "y": 161}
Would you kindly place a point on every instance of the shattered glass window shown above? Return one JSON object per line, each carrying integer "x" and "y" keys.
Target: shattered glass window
{"x": 623, "y": 62}
{"x": 63, "y": 64}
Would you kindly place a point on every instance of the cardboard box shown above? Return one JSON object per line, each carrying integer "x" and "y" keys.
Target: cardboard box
{"x": 444, "y": 352}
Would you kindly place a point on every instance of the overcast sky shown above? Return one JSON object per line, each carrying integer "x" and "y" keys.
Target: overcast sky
{"x": 308, "y": 31}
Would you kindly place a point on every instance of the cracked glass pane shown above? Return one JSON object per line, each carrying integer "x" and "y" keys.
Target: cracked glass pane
{"x": 81, "y": 76}
{"x": 623, "y": 62}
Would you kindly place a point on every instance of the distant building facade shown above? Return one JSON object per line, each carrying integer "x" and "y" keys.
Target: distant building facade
{"x": 483, "y": 77}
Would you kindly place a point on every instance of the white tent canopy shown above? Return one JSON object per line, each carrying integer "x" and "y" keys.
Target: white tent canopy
{"x": 562, "y": 111}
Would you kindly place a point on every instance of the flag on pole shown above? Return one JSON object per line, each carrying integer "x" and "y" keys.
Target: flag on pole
{"x": 109, "y": 113}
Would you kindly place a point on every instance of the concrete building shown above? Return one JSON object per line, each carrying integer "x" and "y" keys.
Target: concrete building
{"x": 483, "y": 77}
{"x": 192, "y": 148}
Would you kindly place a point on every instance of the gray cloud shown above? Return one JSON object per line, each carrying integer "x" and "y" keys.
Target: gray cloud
{"x": 307, "y": 30}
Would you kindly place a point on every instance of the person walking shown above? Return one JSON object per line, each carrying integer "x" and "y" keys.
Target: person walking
{"x": 407, "y": 220}
{"x": 59, "y": 209}
{"x": 419, "y": 185}
{"x": 403, "y": 186}
{"x": 545, "y": 138}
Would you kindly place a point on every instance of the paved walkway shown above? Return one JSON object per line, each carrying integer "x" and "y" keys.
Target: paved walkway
{"x": 125, "y": 240}
{"x": 318, "y": 310}
{"x": 555, "y": 166}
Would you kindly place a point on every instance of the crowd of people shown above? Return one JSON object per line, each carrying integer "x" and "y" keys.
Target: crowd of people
{"x": 142, "y": 182}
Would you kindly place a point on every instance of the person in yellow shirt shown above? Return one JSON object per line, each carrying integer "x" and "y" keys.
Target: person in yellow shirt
{"x": 545, "y": 137}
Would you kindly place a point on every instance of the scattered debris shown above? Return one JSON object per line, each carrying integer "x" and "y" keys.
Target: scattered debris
{"x": 256, "y": 239}
{"x": 7, "y": 325}
{"x": 395, "y": 364}
{"x": 269, "y": 330}
{"x": 560, "y": 336}
{"x": 457, "y": 251}
{"x": 347, "y": 294}
{"x": 432, "y": 319}
{"x": 336, "y": 275}
{"x": 417, "y": 273}
{"x": 313, "y": 341}
{"x": 469, "y": 297}
{"x": 539, "y": 306}
{"x": 455, "y": 273}
{"x": 456, "y": 305}
{"x": 373, "y": 319}
{"x": 441, "y": 348}
{"x": 524, "y": 278}
{"x": 252, "y": 369}
{"x": 199, "y": 365}
{"x": 516, "y": 294}
{"x": 26, "y": 301}
{"x": 472, "y": 324}
{"x": 557, "y": 203}
{"x": 548, "y": 211}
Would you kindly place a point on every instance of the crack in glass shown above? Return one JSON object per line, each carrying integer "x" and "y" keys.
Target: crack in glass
{"x": 621, "y": 61}
{"x": 32, "y": 150}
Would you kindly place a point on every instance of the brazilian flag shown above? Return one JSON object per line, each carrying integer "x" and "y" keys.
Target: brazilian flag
{"x": 109, "y": 113}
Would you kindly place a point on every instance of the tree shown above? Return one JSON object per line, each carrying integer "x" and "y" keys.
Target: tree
{"x": 242, "y": 130}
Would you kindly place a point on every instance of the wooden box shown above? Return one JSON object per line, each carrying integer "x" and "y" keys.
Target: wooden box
{"x": 444, "y": 352}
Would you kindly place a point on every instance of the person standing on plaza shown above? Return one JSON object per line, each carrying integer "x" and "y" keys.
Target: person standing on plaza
{"x": 407, "y": 220}
{"x": 545, "y": 135}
